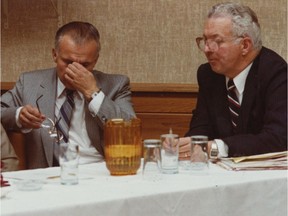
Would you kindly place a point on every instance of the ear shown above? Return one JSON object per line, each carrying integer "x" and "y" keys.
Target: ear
{"x": 97, "y": 57}
{"x": 247, "y": 45}
{"x": 54, "y": 55}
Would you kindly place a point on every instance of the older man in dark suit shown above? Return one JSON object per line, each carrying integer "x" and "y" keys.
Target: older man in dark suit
{"x": 93, "y": 97}
{"x": 242, "y": 101}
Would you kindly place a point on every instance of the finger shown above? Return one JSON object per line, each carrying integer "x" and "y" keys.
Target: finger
{"x": 73, "y": 73}
{"x": 70, "y": 72}
{"x": 184, "y": 140}
{"x": 185, "y": 148}
{"x": 78, "y": 66}
{"x": 69, "y": 78}
{"x": 34, "y": 112}
{"x": 184, "y": 156}
{"x": 27, "y": 123}
{"x": 30, "y": 116}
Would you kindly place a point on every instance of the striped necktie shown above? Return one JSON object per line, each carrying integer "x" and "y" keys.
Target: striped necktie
{"x": 65, "y": 115}
{"x": 234, "y": 105}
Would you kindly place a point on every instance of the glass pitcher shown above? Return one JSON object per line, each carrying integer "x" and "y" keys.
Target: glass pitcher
{"x": 123, "y": 146}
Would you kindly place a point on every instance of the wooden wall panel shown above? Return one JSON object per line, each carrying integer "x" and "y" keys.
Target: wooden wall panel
{"x": 155, "y": 124}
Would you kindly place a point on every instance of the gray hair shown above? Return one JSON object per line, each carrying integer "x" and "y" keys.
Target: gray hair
{"x": 79, "y": 32}
{"x": 244, "y": 20}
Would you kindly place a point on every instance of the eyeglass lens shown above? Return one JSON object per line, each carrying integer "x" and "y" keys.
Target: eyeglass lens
{"x": 212, "y": 45}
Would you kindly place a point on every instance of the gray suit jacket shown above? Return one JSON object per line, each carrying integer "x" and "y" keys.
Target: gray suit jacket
{"x": 31, "y": 85}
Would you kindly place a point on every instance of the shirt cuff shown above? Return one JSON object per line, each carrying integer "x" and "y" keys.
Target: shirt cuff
{"x": 222, "y": 148}
{"x": 23, "y": 130}
{"x": 95, "y": 103}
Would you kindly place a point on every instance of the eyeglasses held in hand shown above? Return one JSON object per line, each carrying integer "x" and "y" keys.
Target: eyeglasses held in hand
{"x": 49, "y": 124}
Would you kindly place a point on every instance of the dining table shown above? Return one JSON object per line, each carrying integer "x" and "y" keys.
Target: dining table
{"x": 212, "y": 192}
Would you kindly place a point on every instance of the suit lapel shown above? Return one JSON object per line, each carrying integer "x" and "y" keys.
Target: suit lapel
{"x": 220, "y": 103}
{"x": 249, "y": 95}
{"x": 48, "y": 89}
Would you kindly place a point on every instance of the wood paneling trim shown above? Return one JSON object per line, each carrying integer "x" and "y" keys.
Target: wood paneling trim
{"x": 5, "y": 86}
{"x": 164, "y": 103}
{"x": 140, "y": 87}
{"x": 163, "y": 87}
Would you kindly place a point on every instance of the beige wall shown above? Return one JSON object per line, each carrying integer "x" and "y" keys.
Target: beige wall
{"x": 151, "y": 41}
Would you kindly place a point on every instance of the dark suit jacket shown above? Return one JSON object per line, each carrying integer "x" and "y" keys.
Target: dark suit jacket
{"x": 31, "y": 85}
{"x": 262, "y": 123}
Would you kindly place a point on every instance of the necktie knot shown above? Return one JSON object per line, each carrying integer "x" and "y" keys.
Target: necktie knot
{"x": 69, "y": 93}
{"x": 231, "y": 84}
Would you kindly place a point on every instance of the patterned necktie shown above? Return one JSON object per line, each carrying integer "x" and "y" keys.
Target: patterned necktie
{"x": 234, "y": 105}
{"x": 65, "y": 114}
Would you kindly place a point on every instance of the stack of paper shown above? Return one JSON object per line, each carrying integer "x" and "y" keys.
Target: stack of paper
{"x": 273, "y": 161}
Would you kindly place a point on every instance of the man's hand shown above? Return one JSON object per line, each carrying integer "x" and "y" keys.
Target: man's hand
{"x": 81, "y": 79}
{"x": 30, "y": 117}
{"x": 184, "y": 148}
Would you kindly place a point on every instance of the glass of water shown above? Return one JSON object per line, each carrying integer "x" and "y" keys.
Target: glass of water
{"x": 169, "y": 153}
{"x": 68, "y": 160}
{"x": 199, "y": 153}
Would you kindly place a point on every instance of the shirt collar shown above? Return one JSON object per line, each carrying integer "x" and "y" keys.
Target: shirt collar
{"x": 60, "y": 88}
{"x": 240, "y": 79}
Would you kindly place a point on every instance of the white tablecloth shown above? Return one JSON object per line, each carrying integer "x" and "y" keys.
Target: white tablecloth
{"x": 216, "y": 193}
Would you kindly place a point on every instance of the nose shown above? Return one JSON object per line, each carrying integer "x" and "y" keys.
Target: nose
{"x": 207, "y": 48}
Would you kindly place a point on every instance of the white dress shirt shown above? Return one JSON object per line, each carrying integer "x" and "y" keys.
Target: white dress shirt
{"x": 78, "y": 132}
{"x": 239, "y": 82}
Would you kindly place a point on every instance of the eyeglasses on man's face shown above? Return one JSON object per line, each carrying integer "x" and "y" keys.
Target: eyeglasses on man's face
{"x": 212, "y": 44}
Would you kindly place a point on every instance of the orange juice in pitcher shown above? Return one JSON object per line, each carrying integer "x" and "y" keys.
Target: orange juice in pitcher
{"x": 123, "y": 146}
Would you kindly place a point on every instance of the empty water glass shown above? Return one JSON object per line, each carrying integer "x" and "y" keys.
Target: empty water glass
{"x": 152, "y": 160}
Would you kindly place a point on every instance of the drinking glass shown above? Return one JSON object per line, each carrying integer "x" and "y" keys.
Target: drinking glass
{"x": 169, "y": 153}
{"x": 68, "y": 160}
{"x": 152, "y": 160}
{"x": 199, "y": 153}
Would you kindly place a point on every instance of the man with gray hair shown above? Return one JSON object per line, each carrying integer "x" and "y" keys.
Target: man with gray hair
{"x": 92, "y": 97}
{"x": 242, "y": 101}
